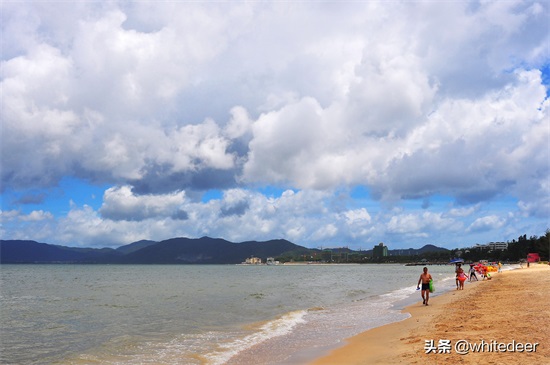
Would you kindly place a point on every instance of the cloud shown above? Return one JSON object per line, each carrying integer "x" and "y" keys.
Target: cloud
{"x": 86, "y": 225}
{"x": 125, "y": 126}
{"x": 411, "y": 100}
{"x": 469, "y": 148}
{"x": 33, "y": 216}
{"x": 358, "y": 215}
{"x": 36, "y": 198}
{"x": 235, "y": 202}
{"x": 305, "y": 217}
{"x": 421, "y": 224}
{"x": 108, "y": 129}
{"x": 486, "y": 223}
{"x": 180, "y": 215}
{"x": 18, "y": 225}
{"x": 120, "y": 203}
{"x": 9, "y": 214}
{"x": 36, "y": 215}
{"x": 463, "y": 211}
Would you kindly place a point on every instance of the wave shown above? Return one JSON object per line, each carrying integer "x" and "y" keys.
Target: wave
{"x": 275, "y": 328}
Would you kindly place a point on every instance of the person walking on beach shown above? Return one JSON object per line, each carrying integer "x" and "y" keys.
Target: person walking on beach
{"x": 457, "y": 267}
{"x": 472, "y": 272}
{"x": 425, "y": 280}
{"x": 459, "y": 275}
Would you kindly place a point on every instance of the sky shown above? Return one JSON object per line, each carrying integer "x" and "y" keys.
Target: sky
{"x": 328, "y": 124}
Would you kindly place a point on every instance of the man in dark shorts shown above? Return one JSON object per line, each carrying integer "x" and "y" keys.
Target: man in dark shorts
{"x": 472, "y": 272}
{"x": 425, "y": 280}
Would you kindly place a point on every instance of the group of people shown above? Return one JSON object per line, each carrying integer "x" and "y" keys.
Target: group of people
{"x": 461, "y": 276}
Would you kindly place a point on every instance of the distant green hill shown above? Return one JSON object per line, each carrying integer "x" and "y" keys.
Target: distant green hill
{"x": 203, "y": 250}
{"x": 132, "y": 247}
{"x": 34, "y": 252}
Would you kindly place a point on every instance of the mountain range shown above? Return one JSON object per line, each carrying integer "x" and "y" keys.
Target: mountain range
{"x": 204, "y": 250}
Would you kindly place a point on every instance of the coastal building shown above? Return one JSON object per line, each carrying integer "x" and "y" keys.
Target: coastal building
{"x": 253, "y": 261}
{"x": 501, "y": 246}
{"x": 272, "y": 261}
{"x": 494, "y": 246}
{"x": 380, "y": 251}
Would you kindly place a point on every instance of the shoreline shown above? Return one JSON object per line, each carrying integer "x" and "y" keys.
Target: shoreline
{"x": 510, "y": 307}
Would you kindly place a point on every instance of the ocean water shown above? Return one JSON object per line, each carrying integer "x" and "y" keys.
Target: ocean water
{"x": 226, "y": 314}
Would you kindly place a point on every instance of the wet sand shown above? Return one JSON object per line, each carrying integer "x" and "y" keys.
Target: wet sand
{"x": 509, "y": 312}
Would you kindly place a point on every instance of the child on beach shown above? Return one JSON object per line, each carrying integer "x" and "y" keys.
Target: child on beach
{"x": 425, "y": 280}
{"x": 483, "y": 273}
{"x": 461, "y": 279}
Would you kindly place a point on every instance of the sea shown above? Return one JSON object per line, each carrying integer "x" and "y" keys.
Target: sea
{"x": 198, "y": 314}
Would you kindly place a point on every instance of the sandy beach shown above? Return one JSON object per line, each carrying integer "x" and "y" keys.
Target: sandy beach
{"x": 500, "y": 321}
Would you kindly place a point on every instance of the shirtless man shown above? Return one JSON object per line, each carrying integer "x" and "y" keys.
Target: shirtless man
{"x": 425, "y": 280}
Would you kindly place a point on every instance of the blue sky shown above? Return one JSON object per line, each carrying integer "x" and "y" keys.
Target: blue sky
{"x": 326, "y": 124}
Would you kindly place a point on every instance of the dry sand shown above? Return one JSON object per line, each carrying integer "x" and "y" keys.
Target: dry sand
{"x": 513, "y": 306}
